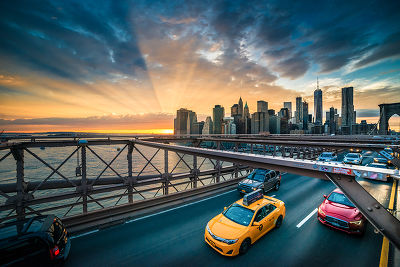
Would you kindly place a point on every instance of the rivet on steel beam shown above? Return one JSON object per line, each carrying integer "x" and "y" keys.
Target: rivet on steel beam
{"x": 377, "y": 206}
{"x": 369, "y": 209}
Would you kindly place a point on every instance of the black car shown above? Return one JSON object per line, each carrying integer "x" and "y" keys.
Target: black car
{"x": 38, "y": 241}
{"x": 260, "y": 179}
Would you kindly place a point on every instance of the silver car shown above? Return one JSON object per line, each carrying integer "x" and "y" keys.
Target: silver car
{"x": 353, "y": 158}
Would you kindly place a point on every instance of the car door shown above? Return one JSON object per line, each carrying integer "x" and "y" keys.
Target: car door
{"x": 270, "y": 216}
{"x": 271, "y": 179}
{"x": 258, "y": 230}
{"x": 266, "y": 182}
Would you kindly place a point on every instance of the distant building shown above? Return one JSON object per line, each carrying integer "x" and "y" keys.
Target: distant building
{"x": 299, "y": 110}
{"x": 198, "y": 127}
{"x": 347, "y": 110}
{"x": 274, "y": 124}
{"x": 229, "y": 126}
{"x": 235, "y": 110}
{"x": 246, "y": 112}
{"x": 208, "y": 126}
{"x": 318, "y": 106}
{"x": 259, "y": 122}
{"x": 288, "y": 105}
{"x": 271, "y": 112}
{"x": 240, "y": 107}
{"x": 305, "y": 115}
{"x": 262, "y": 106}
{"x": 332, "y": 121}
{"x": 181, "y": 120}
{"x": 191, "y": 120}
{"x": 218, "y": 117}
{"x": 246, "y": 120}
{"x": 284, "y": 120}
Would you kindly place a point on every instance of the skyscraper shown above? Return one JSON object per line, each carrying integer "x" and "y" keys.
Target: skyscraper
{"x": 332, "y": 121}
{"x": 240, "y": 107}
{"x": 218, "y": 117}
{"x": 347, "y": 109}
{"x": 305, "y": 115}
{"x": 288, "y": 105}
{"x": 208, "y": 126}
{"x": 299, "y": 110}
{"x": 318, "y": 105}
{"x": 235, "y": 110}
{"x": 259, "y": 122}
{"x": 191, "y": 120}
{"x": 246, "y": 119}
{"x": 262, "y": 106}
{"x": 181, "y": 121}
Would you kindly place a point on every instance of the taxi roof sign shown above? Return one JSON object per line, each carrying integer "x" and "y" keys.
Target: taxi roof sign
{"x": 252, "y": 197}
{"x": 386, "y": 154}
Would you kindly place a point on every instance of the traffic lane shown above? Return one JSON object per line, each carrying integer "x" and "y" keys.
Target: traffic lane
{"x": 179, "y": 225}
{"x": 176, "y": 237}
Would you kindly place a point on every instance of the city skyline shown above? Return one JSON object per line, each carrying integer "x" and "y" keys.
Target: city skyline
{"x": 104, "y": 66}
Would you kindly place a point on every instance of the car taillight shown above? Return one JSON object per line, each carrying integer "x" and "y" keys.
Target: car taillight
{"x": 54, "y": 252}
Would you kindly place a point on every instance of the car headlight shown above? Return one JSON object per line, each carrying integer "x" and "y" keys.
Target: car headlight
{"x": 357, "y": 222}
{"x": 320, "y": 211}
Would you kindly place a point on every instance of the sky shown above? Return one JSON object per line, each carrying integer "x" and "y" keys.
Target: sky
{"x": 127, "y": 66}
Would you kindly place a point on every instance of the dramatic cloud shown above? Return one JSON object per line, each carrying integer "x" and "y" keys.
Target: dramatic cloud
{"x": 84, "y": 59}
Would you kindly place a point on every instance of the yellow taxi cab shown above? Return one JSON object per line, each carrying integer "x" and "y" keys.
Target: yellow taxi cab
{"x": 243, "y": 223}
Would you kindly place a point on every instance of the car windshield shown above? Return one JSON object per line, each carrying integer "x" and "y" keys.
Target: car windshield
{"x": 257, "y": 175}
{"x": 239, "y": 214}
{"x": 341, "y": 199}
{"x": 326, "y": 155}
{"x": 352, "y": 155}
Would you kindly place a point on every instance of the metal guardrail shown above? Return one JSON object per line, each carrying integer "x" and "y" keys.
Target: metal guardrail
{"x": 48, "y": 195}
{"x": 86, "y": 188}
{"x": 123, "y": 213}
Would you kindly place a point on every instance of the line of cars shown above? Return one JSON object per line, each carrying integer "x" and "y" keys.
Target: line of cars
{"x": 356, "y": 158}
{"x": 240, "y": 225}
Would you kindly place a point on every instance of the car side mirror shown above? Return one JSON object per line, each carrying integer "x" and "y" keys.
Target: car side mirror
{"x": 325, "y": 196}
{"x": 224, "y": 208}
{"x": 256, "y": 224}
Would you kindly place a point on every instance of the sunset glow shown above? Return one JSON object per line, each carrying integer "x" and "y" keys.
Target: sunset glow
{"x": 127, "y": 67}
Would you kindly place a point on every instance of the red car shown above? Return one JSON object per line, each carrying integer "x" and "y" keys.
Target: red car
{"x": 338, "y": 212}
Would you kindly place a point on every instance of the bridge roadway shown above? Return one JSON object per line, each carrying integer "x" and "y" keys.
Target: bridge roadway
{"x": 175, "y": 237}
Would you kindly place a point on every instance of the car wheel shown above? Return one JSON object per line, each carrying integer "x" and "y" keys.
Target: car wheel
{"x": 244, "y": 247}
{"x": 276, "y": 187}
{"x": 278, "y": 222}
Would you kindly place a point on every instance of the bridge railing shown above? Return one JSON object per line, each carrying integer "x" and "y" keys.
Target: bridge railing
{"x": 107, "y": 174}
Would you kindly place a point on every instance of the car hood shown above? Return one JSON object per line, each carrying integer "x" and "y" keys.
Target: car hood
{"x": 333, "y": 208}
{"x": 225, "y": 228}
{"x": 251, "y": 182}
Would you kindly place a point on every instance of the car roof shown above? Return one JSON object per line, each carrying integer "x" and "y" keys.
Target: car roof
{"x": 358, "y": 154}
{"x": 262, "y": 202}
{"x": 27, "y": 226}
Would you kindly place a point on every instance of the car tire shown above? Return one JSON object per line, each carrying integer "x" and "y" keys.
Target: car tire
{"x": 244, "y": 247}
{"x": 276, "y": 187}
{"x": 278, "y": 222}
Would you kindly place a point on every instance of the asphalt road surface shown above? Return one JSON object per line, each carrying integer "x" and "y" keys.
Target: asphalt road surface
{"x": 176, "y": 237}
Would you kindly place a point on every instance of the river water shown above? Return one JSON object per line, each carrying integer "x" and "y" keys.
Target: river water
{"x": 36, "y": 171}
